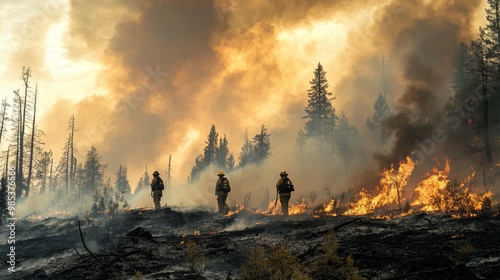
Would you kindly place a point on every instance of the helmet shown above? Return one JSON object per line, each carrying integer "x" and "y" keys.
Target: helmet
{"x": 283, "y": 173}
{"x": 156, "y": 173}
{"x": 221, "y": 173}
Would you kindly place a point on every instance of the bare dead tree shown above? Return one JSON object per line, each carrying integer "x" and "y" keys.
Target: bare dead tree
{"x": 32, "y": 144}
{"x": 25, "y": 76}
{"x": 3, "y": 117}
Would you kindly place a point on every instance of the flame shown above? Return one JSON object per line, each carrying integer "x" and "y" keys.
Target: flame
{"x": 438, "y": 193}
{"x": 293, "y": 209}
{"x": 327, "y": 209}
{"x": 272, "y": 209}
{"x": 389, "y": 190}
{"x": 237, "y": 210}
{"x": 296, "y": 209}
{"x": 429, "y": 188}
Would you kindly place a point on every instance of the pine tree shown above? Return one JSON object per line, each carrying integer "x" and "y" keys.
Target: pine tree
{"x": 346, "y": 139}
{"x": 231, "y": 162}
{"x": 261, "y": 144}
{"x": 146, "y": 182}
{"x": 459, "y": 74}
{"x": 375, "y": 123}
{"x": 209, "y": 155}
{"x": 42, "y": 172}
{"x": 199, "y": 166}
{"x": 321, "y": 123}
{"x": 246, "y": 154}
{"x": 481, "y": 75}
{"x": 211, "y": 148}
{"x": 94, "y": 171}
{"x": 222, "y": 153}
{"x": 122, "y": 184}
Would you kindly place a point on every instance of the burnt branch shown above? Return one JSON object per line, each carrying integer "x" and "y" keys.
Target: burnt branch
{"x": 85, "y": 245}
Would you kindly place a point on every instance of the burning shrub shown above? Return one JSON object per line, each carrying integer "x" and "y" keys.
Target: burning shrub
{"x": 455, "y": 197}
{"x": 197, "y": 262}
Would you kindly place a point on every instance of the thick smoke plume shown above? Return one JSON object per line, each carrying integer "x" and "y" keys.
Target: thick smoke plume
{"x": 174, "y": 68}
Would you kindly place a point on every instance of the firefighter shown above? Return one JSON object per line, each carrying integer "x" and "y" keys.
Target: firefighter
{"x": 157, "y": 189}
{"x": 222, "y": 188}
{"x": 284, "y": 187}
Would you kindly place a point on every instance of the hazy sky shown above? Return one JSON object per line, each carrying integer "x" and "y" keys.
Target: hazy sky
{"x": 147, "y": 79}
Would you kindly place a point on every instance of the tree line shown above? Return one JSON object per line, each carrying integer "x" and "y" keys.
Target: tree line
{"x": 475, "y": 81}
{"x": 34, "y": 168}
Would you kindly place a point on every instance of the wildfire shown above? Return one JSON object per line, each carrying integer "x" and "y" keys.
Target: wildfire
{"x": 237, "y": 210}
{"x": 428, "y": 189}
{"x": 299, "y": 208}
{"x": 438, "y": 193}
{"x": 272, "y": 209}
{"x": 327, "y": 209}
{"x": 293, "y": 209}
{"x": 389, "y": 190}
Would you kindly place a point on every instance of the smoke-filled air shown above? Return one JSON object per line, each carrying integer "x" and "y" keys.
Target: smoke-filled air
{"x": 365, "y": 104}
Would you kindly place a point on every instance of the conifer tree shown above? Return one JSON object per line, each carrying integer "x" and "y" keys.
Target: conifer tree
{"x": 42, "y": 173}
{"x": 375, "y": 123}
{"x": 321, "y": 123}
{"x": 246, "y": 156}
{"x": 94, "y": 171}
{"x": 211, "y": 148}
{"x": 347, "y": 139}
{"x": 261, "y": 144}
{"x": 222, "y": 153}
{"x": 122, "y": 184}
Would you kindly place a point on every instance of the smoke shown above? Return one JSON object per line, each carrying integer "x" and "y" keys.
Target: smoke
{"x": 422, "y": 45}
{"x": 174, "y": 68}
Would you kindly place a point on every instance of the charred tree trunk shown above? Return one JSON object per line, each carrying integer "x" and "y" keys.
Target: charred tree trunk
{"x": 18, "y": 134}
{"x": 26, "y": 74}
{"x": 50, "y": 175}
{"x": 72, "y": 153}
{"x": 4, "y": 117}
{"x": 7, "y": 163}
{"x": 32, "y": 144}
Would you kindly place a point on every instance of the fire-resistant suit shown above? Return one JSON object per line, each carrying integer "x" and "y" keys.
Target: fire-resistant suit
{"x": 285, "y": 188}
{"x": 157, "y": 190}
{"x": 222, "y": 189}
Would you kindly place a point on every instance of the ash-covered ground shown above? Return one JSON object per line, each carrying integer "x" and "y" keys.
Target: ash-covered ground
{"x": 417, "y": 246}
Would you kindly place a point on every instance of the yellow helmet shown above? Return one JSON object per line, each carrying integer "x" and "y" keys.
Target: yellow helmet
{"x": 221, "y": 173}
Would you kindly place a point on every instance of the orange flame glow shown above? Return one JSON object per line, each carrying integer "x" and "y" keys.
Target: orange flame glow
{"x": 438, "y": 193}
{"x": 389, "y": 190}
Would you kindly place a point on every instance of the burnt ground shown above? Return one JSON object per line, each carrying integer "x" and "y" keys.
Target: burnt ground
{"x": 417, "y": 246}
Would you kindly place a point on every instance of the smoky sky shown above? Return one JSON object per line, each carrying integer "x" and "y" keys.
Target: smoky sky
{"x": 171, "y": 67}
{"x": 425, "y": 49}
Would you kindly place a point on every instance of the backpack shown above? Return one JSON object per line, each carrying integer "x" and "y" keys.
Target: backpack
{"x": 286, "y": 187}
{"x": 160, "y": 185}
{"x": 225, "y": 185}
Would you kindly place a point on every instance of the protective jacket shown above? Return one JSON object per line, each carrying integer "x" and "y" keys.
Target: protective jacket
{"x": 157, "y": 184}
